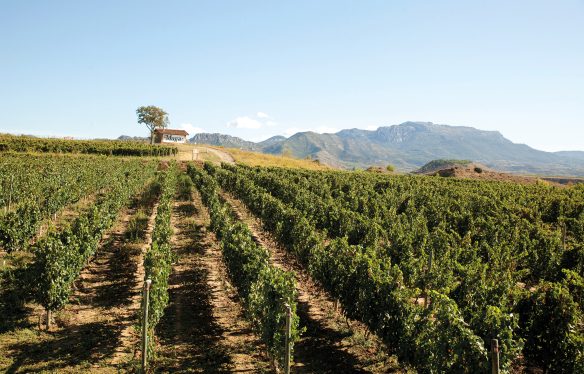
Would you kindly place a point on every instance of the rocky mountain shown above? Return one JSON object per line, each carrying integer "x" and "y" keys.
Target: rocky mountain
{"x": 425, "y": 141}
{"x": 340, "y": 152}
{"x": 273, "y": 140}
{"x": 226, "y": 141}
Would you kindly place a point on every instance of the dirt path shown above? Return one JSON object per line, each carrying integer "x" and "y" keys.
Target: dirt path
{"x": 203, "y": 328}
{"x": 329, "y": 345}
{"x": 205, "y": 154}
{"x": 224, "y": 156}
{"x": 128, "y": 338}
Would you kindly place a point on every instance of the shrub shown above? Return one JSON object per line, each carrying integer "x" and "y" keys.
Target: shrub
{"x": 478, "y": 170}
{"x": 579, "y": 186}
{"x": 390, "y": 167}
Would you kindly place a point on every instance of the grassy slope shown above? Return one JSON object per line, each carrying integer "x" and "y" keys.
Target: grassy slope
{"x": 260, "y": 159}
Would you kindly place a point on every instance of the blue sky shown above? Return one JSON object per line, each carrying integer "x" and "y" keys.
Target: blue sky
{"x": 255, "y": 69}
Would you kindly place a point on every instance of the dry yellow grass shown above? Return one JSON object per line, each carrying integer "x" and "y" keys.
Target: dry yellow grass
{"x": 260, "y": 159}
{"x": 248, "y": 158}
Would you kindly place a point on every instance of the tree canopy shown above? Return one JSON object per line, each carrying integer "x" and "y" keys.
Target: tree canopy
{"x": 153, "y": 118}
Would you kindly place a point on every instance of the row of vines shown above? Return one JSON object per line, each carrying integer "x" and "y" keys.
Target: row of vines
{"x": 62, "y": 254}
{"x": 159, "y": 258}
{"x": 261, "y": 286}
{"x": 12, "y": 143}
{"x": 36, "y": 187}
{"x": 489, "y": 245}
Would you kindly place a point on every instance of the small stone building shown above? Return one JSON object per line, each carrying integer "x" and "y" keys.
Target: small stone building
{"x": 170, "y": 136}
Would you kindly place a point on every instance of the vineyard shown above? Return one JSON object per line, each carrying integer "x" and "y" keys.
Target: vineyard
{"x": 12, "y": 143}
{"x": 382, "y": 273}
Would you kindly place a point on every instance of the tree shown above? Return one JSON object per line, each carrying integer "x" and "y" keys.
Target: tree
{"x": 153, "y": 118}
{"x": 390, "y": 167}
{"x": 287, "y": 153}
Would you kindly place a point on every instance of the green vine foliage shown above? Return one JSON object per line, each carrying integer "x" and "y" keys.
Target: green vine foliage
{"x": 159, "y": 258}
{"x": 11, "y": 143}
{"x": 550, "y": 324}
{"x": 260, "y": 285}
{"x": 60, "y": 256}
{"x": 482, "y": 240}
{"x": 42, "y": 185}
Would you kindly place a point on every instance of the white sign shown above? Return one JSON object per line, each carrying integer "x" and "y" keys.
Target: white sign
{"x": 195, "y": 151}
{"x": 167, "y": 138}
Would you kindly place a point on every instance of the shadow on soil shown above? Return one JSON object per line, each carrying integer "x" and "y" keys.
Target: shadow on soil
{"x": 86, "y": 346}
{"x": 73, "y": 345}
{"x": 14, "y": 295}
{"x": 190, "y": 334}
{"x": 318, "y": 351}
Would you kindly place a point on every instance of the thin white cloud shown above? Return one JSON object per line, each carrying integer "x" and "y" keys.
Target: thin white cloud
{"x": 192, "y": 130}
{"x": 262, "y": 114}
{"x": 325, "y": 130}
{"x": 271, "y": 123}
{"x": 244, "y": 123}
{"x": 372, "y": 128}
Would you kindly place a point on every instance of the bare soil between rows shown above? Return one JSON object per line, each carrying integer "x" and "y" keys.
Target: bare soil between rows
{"x": 204, "y": 328}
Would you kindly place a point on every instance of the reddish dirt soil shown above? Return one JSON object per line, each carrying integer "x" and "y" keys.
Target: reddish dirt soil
{"x": 489, "y": 175}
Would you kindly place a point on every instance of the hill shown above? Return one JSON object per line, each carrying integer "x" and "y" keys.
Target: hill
{"x": 571, "y": 154}
{"x": 436, "y": 165}
{"x": 134, "y": 138}
{"x": 226, "y": 141}
{"x": 424, "y": 141}
{"x": 273, "y": 140}
{"x": 339, "y": 152}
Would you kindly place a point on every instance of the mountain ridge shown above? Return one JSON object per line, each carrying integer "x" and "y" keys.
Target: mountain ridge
{"x": 409, "y": 146}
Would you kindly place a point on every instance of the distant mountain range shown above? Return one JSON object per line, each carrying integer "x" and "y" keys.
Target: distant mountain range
{"x": 134, "y": 138}
{"x": 409, "y": 146}
{"x": 571, "y": 154}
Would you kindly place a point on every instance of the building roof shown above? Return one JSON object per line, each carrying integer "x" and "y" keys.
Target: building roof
{"x": 171, "y": 132}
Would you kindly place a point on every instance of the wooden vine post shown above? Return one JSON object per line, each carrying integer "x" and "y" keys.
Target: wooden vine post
{"x": 10, "y": 196}
{"x": 495, "y": 353}
{"x": 49, "y": 314}
{"x": 145, "y": 325}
